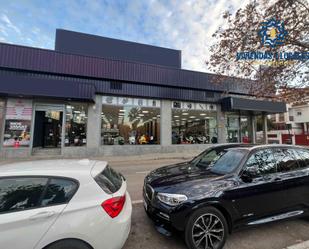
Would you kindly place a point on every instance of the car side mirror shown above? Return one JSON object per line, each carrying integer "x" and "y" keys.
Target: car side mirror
{"x": 249, "y": 173}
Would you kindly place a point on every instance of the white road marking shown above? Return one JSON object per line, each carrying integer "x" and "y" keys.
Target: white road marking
{"x": 137, "y": 202}
{"x": 142, "y": 172}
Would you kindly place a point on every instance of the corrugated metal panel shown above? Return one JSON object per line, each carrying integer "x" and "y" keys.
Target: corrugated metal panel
{"x": 87, "y": 87}
{"x": 43, "y": 87}
{"x": 40, "y": 60}
{"x": 93, "y": 45}
{"x": 129, "y": 89}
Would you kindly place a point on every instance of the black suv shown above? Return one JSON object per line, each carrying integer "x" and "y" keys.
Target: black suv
{"x": 227, "y": 187}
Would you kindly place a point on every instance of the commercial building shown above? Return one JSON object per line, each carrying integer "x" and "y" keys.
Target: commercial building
{"x": 100, "y": 96}
{"x": 292, "y": 127}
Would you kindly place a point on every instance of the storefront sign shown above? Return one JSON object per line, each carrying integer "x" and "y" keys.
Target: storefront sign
{"x": 193, "y": 106}
{"x": 19, "y": 109}
{"x": 124, "y": 101}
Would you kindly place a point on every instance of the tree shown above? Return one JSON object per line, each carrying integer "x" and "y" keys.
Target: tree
{"x": 240, "y": 32}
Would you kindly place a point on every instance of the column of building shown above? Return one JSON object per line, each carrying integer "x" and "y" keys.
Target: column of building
{"x": 166, "y": 123}
{"x": 94, "y": 124}
{"x": 221, "y": 125}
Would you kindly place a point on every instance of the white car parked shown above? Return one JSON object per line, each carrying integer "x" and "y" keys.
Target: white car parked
{"x": 63, "y": 204}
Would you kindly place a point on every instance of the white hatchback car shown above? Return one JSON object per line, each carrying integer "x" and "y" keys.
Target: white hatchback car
{"x": 63, "y": 204}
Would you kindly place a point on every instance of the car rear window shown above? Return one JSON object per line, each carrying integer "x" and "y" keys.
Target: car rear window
{"x": 109, "y": 180}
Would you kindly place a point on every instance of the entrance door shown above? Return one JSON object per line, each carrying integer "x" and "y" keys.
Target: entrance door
{"x": 232, "y": 129}
{"x": 47, "y": 129}
{"x": 244, "y": 130}
{"x": 52, "y": 129}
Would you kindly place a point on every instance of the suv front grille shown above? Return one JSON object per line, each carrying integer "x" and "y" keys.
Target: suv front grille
{"x": 149, "y": 192}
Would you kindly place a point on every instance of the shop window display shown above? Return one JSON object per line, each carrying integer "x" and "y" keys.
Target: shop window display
{"x": 17, "y": 123}
{"x": 130, "y": 121}
{"x": 76, "y": 125}
{"x": 194, "y": 123}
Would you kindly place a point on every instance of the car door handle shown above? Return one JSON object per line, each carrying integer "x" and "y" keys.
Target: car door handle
{"x": 42, "y": 215}
{"x": 277, "y": 179}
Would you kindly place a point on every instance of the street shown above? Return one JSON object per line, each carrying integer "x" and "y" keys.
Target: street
{"x": 144, "y": 235}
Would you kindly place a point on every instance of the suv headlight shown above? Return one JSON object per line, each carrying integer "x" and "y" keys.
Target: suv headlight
{"x": 171, "y": 199}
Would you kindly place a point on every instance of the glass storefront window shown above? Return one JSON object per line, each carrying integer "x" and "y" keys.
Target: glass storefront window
{"x": 17, "y": 123}
{"x": 232, "y": 128}
{"x": 130, "y": 121}
{"x": 237, "y": 128}
{"x": 76, "y": 124}
{"x": 196, "y": 125}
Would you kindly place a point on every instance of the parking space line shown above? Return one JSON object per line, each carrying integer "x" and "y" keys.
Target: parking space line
{"x": 137, "y": 202}
{"x": 142, "y": 172}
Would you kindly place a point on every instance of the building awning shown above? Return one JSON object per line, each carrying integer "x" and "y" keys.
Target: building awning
{"x": 258, "y": 106}
{"x": 52, "y": 88}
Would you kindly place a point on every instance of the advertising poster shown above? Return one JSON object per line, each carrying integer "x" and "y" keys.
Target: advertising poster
{"x": 17, "y": 123}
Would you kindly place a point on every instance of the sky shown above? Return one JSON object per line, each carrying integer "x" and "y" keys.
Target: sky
{"x": 178, "y": 24}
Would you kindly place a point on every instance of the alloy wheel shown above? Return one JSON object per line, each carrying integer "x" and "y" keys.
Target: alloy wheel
{"x": 208, "y": 232}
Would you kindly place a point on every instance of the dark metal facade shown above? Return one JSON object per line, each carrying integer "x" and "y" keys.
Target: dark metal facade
{"x": 24, "y": 79}
{"x": 29, "y": 84}
{"x": 45, "y": 73}
{"x": 48, "y": 61}
{"x": 242, "y": 104}
{"x": 108, "y": 48}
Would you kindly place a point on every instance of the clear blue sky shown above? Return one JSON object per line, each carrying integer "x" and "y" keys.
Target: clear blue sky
{"x": 178, "y": 24}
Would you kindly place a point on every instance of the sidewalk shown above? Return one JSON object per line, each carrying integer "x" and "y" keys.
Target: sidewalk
{"x": 147, "y": 157}
{"x": 114, "y": 159}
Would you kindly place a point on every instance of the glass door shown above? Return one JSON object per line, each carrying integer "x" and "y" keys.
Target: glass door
{"x": 52, "y": 129}
{"x": 48, "y": 129}
{"x": 244, "y": 130}
{"x": 232, "y": 128}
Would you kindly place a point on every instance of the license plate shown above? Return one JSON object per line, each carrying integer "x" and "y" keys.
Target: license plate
{"x": 145, "y": 205}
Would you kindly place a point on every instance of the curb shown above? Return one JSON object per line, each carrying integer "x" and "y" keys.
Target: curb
{"x": 112, "y": 159}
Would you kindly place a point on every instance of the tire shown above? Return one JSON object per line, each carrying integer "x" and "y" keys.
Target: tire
{"x": 209, "y": 227}
{"x": 69, "y": 244}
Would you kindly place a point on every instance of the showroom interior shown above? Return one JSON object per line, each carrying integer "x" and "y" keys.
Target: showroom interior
{"x": 95, "y": 96}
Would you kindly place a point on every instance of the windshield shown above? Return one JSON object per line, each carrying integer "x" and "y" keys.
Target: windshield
{"x": 227, "y": 161}
{"x": 207, "y": 158}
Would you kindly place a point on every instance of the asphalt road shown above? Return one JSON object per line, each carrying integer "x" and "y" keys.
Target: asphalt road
{"x": 144, "y": 235}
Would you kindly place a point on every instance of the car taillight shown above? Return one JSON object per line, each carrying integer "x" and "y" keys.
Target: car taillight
{"x": 114, "y": 205}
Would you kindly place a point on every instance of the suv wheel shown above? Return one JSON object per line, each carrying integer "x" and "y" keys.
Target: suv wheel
{"x": 207, "y": 229}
